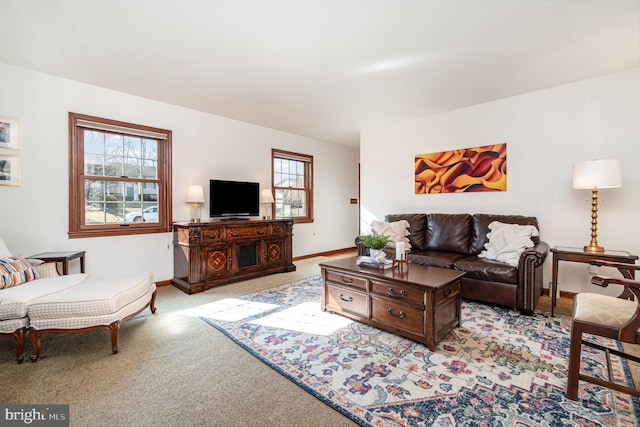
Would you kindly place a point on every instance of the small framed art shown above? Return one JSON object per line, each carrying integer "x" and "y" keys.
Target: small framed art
{"x": 9, "y": 133}
{"x": 9, "y": 169}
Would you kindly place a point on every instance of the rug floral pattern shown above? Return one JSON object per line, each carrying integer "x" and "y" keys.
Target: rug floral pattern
{"x": 498, "y": 368}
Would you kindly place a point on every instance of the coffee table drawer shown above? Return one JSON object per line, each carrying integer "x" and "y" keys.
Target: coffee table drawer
{"x": 339, "y": 298}
{"x": 406, "y": 318}
{"x": 449, "y": 291}
{"x": 346, "y": 279}
{"x": 398, "y": 292}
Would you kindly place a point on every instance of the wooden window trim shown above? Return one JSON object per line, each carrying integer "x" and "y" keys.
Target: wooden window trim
{"x": 77, "y": 228}
{"x": 308, "y": 159}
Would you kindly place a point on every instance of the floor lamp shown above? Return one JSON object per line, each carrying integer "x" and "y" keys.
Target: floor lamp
{"x": 593, "y": 175}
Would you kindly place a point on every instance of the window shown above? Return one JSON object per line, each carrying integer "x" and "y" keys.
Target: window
{"x": 119, "y": 178}
{"x": 293, "y": 185}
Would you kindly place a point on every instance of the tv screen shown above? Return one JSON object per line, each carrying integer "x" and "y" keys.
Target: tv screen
{"x": 233, "y": 198}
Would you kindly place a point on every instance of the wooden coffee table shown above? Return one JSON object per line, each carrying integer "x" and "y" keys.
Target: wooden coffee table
{"x": 418, "y": 302}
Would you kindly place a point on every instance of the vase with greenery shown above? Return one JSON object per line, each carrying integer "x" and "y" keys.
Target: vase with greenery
{"x": 374, "y": 241}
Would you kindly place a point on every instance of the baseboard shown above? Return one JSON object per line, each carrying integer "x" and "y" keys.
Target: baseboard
{"x": 163, "y": 283}
{"x": 563, "y": 294}
{"x": 328, "y": 253}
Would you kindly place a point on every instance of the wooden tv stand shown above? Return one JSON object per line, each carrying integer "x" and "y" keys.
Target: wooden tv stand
{"x": 212, "y": 253}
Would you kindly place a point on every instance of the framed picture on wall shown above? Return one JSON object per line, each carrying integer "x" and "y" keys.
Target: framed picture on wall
{"x": 9, "y": 169}
{"x": 9, "y": 133}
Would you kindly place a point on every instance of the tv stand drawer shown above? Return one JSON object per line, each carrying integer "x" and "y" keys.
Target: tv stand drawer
{"x": 238, "y": 232}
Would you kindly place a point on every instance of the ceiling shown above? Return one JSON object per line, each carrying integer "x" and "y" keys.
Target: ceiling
{"x": 322, "y": 68}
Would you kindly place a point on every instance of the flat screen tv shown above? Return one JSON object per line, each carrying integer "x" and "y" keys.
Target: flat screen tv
{"x": 233, "y": 199}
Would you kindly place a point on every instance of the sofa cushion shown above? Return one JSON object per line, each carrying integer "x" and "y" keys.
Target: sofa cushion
{"x": 480, "y": 228}
{"x": 507, "y": 242}
{"x": 396, "y": 231}
{"x": 100, "y": 294}
{"x": 434, "y": 258}
{"x": 448, "y": 233}
{"x": 15, "y": 271}
{"x": 11, "y": 325}
{"x": 486, "y": 270}
{"x": 417, "y": 225}
{"x": 14, "y": 301}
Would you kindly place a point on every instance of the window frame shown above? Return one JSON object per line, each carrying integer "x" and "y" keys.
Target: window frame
{"x": 77, "y": 226}
{"x": 308, "y": 179}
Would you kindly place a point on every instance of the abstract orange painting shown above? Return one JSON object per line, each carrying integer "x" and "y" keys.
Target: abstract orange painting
{"x": 465, "y": 170}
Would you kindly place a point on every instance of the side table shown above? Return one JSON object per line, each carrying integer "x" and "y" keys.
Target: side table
{"x": 62, "y": 257}
{"x": 563, "y": 253}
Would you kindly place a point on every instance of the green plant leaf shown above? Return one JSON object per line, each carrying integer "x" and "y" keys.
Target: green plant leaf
{"x": 374, "y": 240}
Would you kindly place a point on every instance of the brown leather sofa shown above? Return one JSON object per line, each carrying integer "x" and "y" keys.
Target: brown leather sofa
{"x": 455, "y": 240}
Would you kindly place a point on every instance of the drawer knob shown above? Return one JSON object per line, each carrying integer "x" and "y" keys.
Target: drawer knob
{"x": 393, "y": 294}
{"x": 350, "y": 299}
{"x": 448, "y": 292}
{"x": 347, "y": 280}
{"x": 260, "y": 231}
{"x": 399, "y": 316}
{"x": 234, "y": 233}
{"x": 211, "y": 234}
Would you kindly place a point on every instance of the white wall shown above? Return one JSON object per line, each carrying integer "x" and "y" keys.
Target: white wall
{"x": 34, "y": 216}
{"x": 546, "y": 132}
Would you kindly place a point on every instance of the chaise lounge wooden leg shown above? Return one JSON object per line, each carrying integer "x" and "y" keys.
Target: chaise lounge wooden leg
{"x": 114, "y": 329}
{"x": 34, "y": 337}
{"x": 20, "y": 336}
{"x": 152, "y": 304}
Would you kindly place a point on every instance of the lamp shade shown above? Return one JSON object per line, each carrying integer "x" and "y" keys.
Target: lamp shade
{"x": 605, "y": 173}
{"x": 195, "y": 194}
{"x": 266, "y": 196}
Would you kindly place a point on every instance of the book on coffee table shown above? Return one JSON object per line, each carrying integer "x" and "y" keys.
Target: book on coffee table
{"x": 365, "y": 261}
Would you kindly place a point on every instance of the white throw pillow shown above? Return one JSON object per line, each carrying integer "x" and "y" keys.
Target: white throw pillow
{"x": 507, "y": 242}
{"x": 396, "y": 231}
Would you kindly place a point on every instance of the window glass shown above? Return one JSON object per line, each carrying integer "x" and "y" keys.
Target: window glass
{"x": 292, "y": 184}
{"x": 120, "y": 181}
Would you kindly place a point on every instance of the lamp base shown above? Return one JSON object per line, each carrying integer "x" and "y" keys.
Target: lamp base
{"x": 594, "y": 248}
{"x": 400, "y": 263}
{"x": 195, "y": 212}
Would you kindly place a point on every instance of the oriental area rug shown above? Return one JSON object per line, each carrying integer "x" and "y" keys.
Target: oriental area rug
{"x": 499, "y": 368}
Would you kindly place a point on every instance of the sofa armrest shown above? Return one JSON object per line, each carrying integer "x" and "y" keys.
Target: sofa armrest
{"x": 536, "y": 255}
{"x": 530, "y": 276}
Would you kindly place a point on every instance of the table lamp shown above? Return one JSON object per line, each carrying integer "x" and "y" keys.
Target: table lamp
{"x": 593, "y": 175}
{"x": 195, "y": 195}
{"x": 266, "y": 199}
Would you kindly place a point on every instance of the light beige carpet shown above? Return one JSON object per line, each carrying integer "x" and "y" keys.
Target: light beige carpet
{"x": 172, "y": 369}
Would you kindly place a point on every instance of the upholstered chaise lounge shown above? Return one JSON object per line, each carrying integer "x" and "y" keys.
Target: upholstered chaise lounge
{"x": 30, "y": 303}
